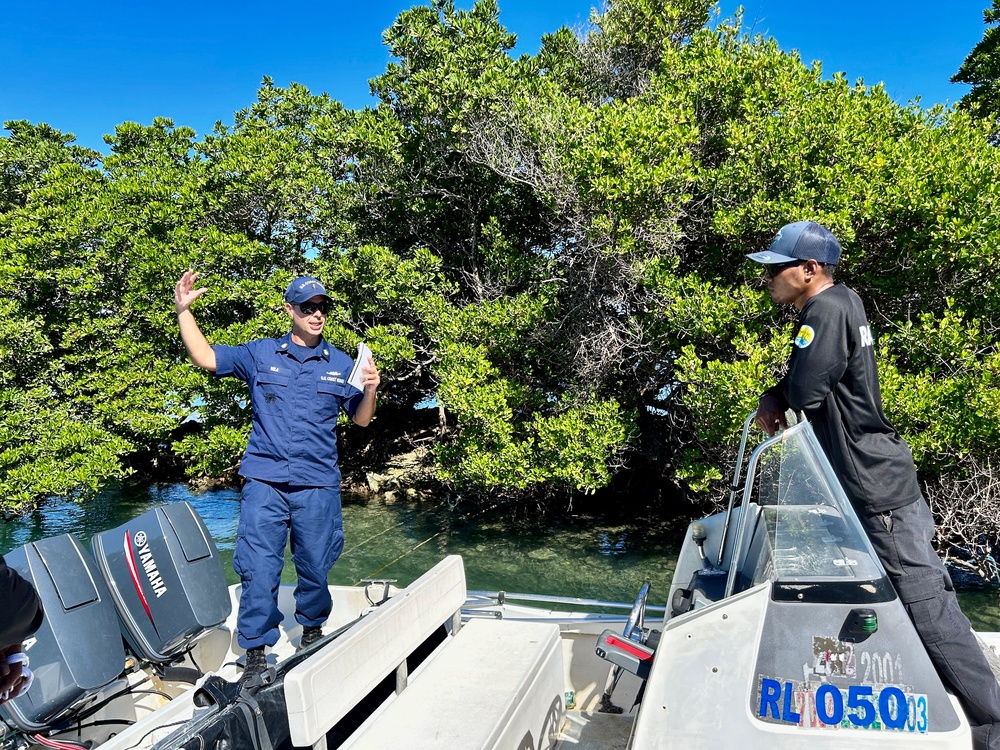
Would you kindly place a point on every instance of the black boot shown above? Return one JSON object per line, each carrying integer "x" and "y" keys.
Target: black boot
{"x": 310, "y": 635}
{"x": 254, "y": 669}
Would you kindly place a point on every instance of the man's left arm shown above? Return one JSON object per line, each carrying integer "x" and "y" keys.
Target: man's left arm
{"x": 819, "y": 359}
{"x": 370, "y": 380}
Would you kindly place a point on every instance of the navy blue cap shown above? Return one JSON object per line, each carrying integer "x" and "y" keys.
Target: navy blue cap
{"x": 802, "y": 240}
{"x": 304, "y": 288}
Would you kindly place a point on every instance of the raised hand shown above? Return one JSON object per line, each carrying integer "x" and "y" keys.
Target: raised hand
{"x": 185, "y": 293}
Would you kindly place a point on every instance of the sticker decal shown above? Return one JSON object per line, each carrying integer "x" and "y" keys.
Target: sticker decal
{"x": 824, "y": 705}
{"x": 804, "y": 337}
{"x": 833, "y": 658}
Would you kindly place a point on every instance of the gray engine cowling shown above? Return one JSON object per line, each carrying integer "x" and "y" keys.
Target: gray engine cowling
{"x": 77, "y": 655}
{"x": 166, "y": 580}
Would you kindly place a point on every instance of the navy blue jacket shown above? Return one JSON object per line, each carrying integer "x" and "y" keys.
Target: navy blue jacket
{"x": 295, "y": 408}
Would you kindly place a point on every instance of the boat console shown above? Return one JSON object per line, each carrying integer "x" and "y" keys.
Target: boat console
{"x": 784, "y": 630}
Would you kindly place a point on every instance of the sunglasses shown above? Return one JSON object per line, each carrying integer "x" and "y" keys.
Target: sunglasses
{"x": 773, "y": 269}
{"x": 308, "y": 308}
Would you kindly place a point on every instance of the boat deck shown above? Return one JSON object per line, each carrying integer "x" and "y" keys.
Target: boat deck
{"x": 584, "y": 726}
{"x": 587, "y": 730}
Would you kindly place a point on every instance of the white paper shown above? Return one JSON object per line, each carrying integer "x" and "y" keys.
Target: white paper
{"x": 363, "y": 354}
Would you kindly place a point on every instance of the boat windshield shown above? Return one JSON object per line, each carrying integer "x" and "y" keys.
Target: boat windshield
{"x": 806, "y": 530}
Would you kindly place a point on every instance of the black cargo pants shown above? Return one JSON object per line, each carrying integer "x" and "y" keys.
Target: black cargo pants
{"x": 902, "y": 540}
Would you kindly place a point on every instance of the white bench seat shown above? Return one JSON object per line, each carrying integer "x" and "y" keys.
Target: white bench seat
{"x": 322, "y": 690}
{"x": 490, "y": 687}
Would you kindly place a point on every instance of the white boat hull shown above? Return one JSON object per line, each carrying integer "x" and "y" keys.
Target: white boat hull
{"x": 696, "y": 696}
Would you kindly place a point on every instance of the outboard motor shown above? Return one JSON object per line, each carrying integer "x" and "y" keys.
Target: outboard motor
{"x": 166, "y": 580}
{"x": 77, "y": 654}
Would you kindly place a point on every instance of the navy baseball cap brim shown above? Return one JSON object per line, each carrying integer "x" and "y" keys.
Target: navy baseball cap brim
{"x": 304, "y": 288}
{"x": 768, "y": 257}
{"x": 801, "y": 240}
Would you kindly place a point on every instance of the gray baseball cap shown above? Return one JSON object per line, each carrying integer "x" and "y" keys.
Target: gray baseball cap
{"x": 801, "y": 240}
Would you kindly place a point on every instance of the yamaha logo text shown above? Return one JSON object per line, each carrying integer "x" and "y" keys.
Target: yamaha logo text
{"x": 149, "y": 564}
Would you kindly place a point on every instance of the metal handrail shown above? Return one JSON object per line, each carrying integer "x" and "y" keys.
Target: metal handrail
{"x": 569, "y": 600}
{"x": 734, "y": 488}
{"x": 747, "y": 489}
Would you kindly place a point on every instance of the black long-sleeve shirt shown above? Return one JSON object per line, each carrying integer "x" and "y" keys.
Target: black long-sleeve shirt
{"x": 22, "y": 610}
{"x": 833, "y": 378}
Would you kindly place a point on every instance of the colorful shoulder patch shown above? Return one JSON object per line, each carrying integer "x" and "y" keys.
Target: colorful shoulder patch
{"x": 804, "y": 337}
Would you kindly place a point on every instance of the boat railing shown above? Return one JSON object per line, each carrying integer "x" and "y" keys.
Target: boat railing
{"x": 735, "y": 486}
{"x": 744, "y": 504}
{"x": 488, "y": 599}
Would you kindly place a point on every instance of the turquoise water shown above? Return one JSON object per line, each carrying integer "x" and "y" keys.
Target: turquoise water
{"x": 579, "y": 556}
{"x": 573, "y": 555}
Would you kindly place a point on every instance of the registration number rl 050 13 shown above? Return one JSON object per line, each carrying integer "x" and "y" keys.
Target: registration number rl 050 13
{"x": 883, "y": 707}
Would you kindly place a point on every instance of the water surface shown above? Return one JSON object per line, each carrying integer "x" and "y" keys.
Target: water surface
{"x": 593, "y": 557}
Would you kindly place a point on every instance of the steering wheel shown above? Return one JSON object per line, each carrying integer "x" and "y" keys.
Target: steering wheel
{"x": 632, "y": 631}
{"x": 637, "y": 617}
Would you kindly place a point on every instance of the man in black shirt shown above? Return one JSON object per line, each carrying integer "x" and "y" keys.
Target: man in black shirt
{"x": 833, "y": 379}
{"x": 22, "y": 616}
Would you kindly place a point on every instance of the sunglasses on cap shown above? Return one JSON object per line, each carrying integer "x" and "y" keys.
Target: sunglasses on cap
{"x": 308, "y": 307}
{"x": 773, "y": 269}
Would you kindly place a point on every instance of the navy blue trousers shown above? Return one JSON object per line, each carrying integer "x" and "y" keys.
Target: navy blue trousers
{"x": 902, "y": 540}
{"x": 269, "y": 513}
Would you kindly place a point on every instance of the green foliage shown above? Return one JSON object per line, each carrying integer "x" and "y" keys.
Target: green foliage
{"x": 210, "y": 453}
{"x": 937, "y": 367}
{"x": 30, "y": 153}
{"x": 570, "y": 447}
{"x": 513, "y": 436}
{"x": 981, "y": 69}
{"x": 550, "y": 248}
{"x": 48, "y": 448}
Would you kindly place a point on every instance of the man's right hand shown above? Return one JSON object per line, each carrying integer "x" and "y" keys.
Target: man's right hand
{"x": 771, "y": 413}
{"x": 198, "y": 349}
{"x": 185, "y": 293}
{"x": 10, "y": 674}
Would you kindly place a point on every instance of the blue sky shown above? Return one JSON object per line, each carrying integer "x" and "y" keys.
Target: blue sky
{"x": 84, "y": 67}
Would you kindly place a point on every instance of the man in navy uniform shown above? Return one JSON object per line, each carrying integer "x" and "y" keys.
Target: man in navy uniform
{"x": 832, "y": 377}
{"x": 298, "y": 387}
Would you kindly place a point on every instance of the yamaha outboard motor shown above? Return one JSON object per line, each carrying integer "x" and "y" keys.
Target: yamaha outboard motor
{"x": 77, "y": 654}
{"x": 166, "y": 580}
